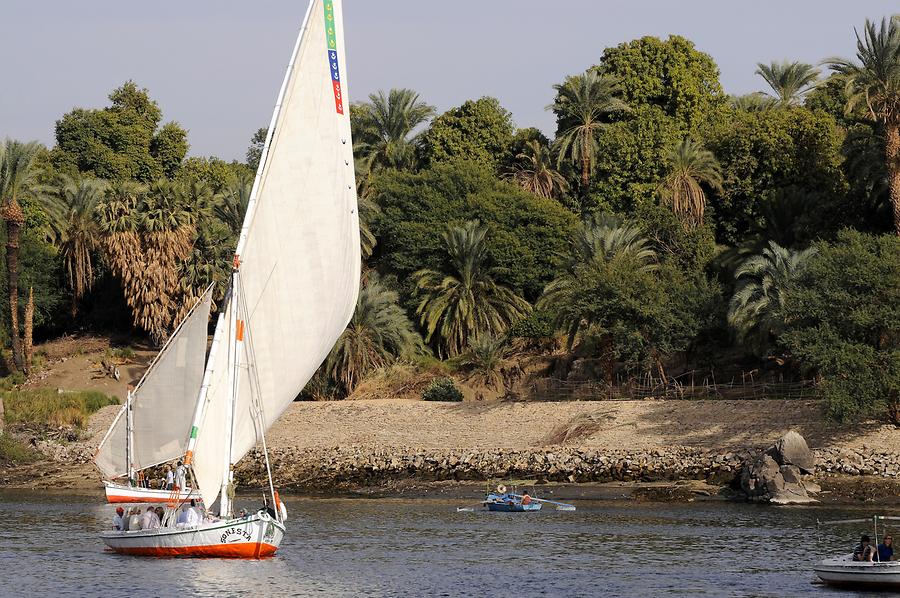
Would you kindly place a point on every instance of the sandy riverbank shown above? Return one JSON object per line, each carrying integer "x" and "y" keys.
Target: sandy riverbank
{"x": 315, "y": 444}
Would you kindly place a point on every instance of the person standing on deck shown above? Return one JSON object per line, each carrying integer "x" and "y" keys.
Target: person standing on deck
{"x": 170, "y": 477}
{"x": 180, "y": 476}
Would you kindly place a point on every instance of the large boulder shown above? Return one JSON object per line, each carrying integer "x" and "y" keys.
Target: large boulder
{"x": 791, "y": 449}
{"x": 776, "y": 475}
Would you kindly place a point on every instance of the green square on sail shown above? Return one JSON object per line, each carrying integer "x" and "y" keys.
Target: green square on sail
{"x": 329, "y": 24}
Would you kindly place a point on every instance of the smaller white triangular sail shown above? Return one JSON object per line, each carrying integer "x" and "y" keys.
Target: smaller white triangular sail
{"x": 163, "y": 400}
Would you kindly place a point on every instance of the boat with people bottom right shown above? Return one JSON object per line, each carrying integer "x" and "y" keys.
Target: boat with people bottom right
{"x": 845, "y": 572}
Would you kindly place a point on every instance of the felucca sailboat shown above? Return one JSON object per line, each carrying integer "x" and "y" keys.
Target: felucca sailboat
{"x": 150, "y": 428}
{"x": 294, "y": 285}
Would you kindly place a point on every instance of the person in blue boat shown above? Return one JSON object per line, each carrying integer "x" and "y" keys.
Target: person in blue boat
{"x": 886, "y": 549}
{"x": 526, "y": 498}
{"x": 864, "y": 551}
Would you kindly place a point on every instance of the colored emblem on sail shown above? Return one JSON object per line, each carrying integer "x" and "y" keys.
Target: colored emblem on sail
{"x": 331, "y": 41}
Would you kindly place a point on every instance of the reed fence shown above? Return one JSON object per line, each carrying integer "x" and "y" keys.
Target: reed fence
{"x": 681, "y": 388}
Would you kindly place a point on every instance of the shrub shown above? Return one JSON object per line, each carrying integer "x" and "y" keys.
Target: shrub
{"x": 442, "y": 389}
{"x": 14, "y": 452}
{"x": 51, "y": 407}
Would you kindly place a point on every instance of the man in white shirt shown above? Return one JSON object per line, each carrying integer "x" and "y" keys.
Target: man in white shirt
{"x": 180, "y": 476}
{"x": 150, "y": 520}
{"x": 189, "y": 516}
{"x": 170, "y": 477}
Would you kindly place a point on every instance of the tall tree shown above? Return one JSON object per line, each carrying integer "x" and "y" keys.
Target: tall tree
{"x": 789, "y": 81}
{"x": 669, "y": 75}
{"x": 479, "y": 130}
{"x": 384, "y": 128}
{"x": 597, "y": 243}
{"x": 377, "y": 335}
{"x": 844, "y": 324}
{"x": 582, "y": 105}
{"x": 77, "y": 231}
{"x": 18, "y": 176}
{"x": 121, "y": 141}
{"x": 466, "y": 303}
{"x": 147, "y": 233}
{"x": 757, "y": 309}
{"x": 689, "y": 167}
{"x": 534, "y": 171}
{"x": 254, "y": 151}
{"x": 874, "y": 81}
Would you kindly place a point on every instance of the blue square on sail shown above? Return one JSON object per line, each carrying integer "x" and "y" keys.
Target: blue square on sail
{"x": 333, "y": 59}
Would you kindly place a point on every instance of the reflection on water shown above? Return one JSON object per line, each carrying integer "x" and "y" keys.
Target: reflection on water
{"x": 414, "y": 548}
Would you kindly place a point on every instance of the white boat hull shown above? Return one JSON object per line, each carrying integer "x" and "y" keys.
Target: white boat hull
{"x": 844, "y": 571}
{"x": 253, "y": 537}
{"x": 118, "y": 493}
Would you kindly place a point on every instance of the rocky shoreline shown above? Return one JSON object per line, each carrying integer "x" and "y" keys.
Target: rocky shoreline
{"x": 346, "y": 468}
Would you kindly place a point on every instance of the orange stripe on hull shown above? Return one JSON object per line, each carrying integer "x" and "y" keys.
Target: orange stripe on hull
{"x": 236, "y": 550}
{"x": 134, "y": 499}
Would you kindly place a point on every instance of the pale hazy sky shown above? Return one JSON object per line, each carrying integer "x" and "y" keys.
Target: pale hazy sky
{"x": 215, "y": 65}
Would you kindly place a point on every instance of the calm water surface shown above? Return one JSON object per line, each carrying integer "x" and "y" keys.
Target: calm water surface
{"x": 48, "y": 547}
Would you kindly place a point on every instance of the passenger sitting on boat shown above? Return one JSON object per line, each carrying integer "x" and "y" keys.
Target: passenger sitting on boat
{"x": 119, "y": 519}
{"x": 150, "y": 520}
{"x": 161, "y": 514}
{"x": 526, "y": 499}
{"x": 886, "y": 549}
{"x": 864, "y": 551}
{"x": 134, "y": 520}
{"x": 170, "y": 477}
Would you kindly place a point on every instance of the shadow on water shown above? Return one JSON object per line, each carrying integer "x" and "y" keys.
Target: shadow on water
{"x": 340, "y": 547}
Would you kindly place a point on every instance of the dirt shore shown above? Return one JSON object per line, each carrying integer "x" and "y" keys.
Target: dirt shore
{"x": 401, "y": 428}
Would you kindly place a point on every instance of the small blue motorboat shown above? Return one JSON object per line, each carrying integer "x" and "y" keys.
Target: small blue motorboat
{"x": 509, "y": 503}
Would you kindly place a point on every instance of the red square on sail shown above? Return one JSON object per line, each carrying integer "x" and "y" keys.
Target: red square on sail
{"x": 338, "y": 97}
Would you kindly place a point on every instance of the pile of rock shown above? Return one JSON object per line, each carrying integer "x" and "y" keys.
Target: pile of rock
{"x": 864, "y": 461}
{"x": 362, "y": 465}
{"x": 776, "y": 474}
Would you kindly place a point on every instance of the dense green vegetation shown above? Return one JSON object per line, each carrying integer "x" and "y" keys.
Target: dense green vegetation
{"x": 666, "y": 227}
{"x": 48, "y": 406}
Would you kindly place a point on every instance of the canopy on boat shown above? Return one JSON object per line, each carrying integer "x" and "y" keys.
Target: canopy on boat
{"x": 162, "y": 401}
{"x": 299, "y": 253}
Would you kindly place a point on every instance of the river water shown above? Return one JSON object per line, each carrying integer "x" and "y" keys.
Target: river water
{"x": 366, "y": 547}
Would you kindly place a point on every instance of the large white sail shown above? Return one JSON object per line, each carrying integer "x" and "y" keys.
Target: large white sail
{"x": 162, "y": 402}
{"x": 299, "y": 252}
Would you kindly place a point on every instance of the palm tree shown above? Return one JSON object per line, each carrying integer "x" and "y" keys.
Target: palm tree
{"x": 756, "y": 311}
{"x": 789, "y": 81}
{"x": 604, "y": 237}
{"x": 18, "y": 177}
{"x": 753, "y": 102}
{"x": 383, "y": 128}
{"x": 465, "y": 304}
{"x": 581, "y": 105}
{"x": 78, "y": 232}
{"x": 368, "y": 210}
{"x": 690, "y": 166}
{"x": 146, "y": 234}
{"x": 597, "y": 242}
{"x": 231, "y": 204}
{"x": 874, "y": 82}
{"x": 378, "y": 334}
{"x": 534, "y": 171}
